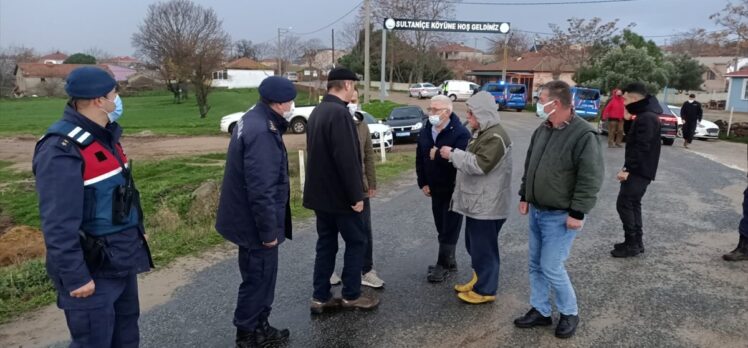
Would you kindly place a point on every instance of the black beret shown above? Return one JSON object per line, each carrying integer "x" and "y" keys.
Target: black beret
{"x": 277, "y": 89}
{"x": 89, "y": 82}
{"x": 341, "y": 74}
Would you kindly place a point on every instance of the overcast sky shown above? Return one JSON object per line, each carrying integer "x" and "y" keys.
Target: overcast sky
{"x": 78, "y": 25}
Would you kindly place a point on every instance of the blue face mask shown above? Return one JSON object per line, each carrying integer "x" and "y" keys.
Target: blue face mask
{"x": 118, "y": 109}
{"x": 541, "y": 110}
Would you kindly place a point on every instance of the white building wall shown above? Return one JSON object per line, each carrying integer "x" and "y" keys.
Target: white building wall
{"x": 243, "y": 78}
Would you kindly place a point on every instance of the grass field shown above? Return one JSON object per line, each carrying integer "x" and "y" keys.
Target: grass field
{"x": 378, "y": 109}
{"x": 150, "y": 111}
{"x": 176, "y": 226}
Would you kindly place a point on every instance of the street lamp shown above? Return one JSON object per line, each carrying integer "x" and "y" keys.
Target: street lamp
{"x": 280, "y": 59}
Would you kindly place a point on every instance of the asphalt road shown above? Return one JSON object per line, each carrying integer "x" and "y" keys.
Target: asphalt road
{"x": 678, "y": 294}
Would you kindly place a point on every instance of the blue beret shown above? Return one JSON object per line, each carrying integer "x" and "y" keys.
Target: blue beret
{"x": 277, "y": 89}
{"x": 89, "y": 82}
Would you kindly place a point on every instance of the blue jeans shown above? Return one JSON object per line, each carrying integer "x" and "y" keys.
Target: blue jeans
{"x": 351, "y": 228}
{"x": 550, "y": 243}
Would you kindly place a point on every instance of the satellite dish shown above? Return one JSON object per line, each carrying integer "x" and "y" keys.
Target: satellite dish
{"x": 389, "y": 23}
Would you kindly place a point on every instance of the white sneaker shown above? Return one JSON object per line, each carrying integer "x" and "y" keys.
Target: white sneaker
{"x": 372, "y": 280}
{"x": 335, "y": 280}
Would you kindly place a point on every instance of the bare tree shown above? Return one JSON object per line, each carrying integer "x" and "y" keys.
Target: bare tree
{"x": 575, "y": 44}
{"x": 10, "y": 57}
{"x": 421, "y": 40}
{"x": 186, "y": 42}
{"x": 290, "y": 49}
{"x": 518, "y": 44}
{"x": 734, "y": 18}
{"x": 698, "y": 42}
{"x": 310, "y": 49}
{"x": 245, "y": 49}
{"x": 98, "y": 53}
{"x": 264, "y": 50}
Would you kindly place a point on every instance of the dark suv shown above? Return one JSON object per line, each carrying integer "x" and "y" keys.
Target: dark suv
{"x": 406, "y": 122}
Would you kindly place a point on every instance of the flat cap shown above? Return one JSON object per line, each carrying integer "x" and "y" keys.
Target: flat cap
{"x": 341, "y": 74}
{"x": 277, "y": 89}
{"x": 89, "y": 82}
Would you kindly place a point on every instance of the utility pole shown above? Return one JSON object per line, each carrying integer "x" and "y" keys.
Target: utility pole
{"x": 506, "y": 56}
{"x": 382, "y": 88}
{"x": 333, "y": 48}
{"x": 280, "y": 56}
{"x": 367, "y": 34}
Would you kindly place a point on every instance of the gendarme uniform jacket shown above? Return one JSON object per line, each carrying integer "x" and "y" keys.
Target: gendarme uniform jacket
{"x": 254, "y": 205}
{"x": 78, "y": 166}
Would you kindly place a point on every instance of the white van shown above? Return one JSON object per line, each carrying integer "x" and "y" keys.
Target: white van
{"x": 459, "y": 89}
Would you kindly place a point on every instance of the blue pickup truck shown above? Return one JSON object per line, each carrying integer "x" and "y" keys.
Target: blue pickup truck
{"x": 507, "y": 95}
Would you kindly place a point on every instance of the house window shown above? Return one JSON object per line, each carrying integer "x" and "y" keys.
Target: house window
{"x": 744, "y": 95}
{"x": 220, "y": 75}
{"x": 710, "y": 75}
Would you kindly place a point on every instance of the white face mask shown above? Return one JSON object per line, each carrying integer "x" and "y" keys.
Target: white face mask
{"x": 541, "y": 110}
{"x": 434, "y": 120}
{"x": 352, "y": 108}
{"x": 690, "y": 100}
{"x": 288, "y": 114}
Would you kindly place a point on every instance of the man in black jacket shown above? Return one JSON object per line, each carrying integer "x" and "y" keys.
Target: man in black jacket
{"x": 642, "y": 157}
{"x": 436, "y": 178}
{"x": 334, "y": 190}
{"x": 691, "y": 113}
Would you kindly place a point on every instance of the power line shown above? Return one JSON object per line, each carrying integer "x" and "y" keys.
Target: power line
{"x": 536, "y": 3}
{"x": 333, "y": 23}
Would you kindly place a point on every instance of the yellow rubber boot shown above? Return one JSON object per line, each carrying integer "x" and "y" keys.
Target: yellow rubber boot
{"x": 467, "y": 286}
{"x": 474, "y": 298}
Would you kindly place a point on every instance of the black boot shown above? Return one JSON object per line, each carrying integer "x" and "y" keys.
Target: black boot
{"x": 267, "y": 335}
{"x": 740, "y": 253}
{"x": 626, "y": 241}
{"x": 444, "y": 263}
{"x": 639, "y": 242}
{"x": 246, "y": 339}
{"x": 629, "y": 248}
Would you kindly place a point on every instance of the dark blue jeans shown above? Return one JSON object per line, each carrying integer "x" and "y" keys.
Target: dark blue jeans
{"x": 351, "y": 228}
{"x": 744, "y": 221}
{"x": 448, "y": 223}
{"x": 369, "y": 256}
{"x": 259, "y": 270}
{"x": 482, "y": 242}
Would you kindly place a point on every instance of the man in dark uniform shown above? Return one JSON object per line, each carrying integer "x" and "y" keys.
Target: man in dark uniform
{"x": 335, "y": 191}
{"x": 691, "y": 113}
{"x": 740, "y": 253}
{"x": 254, "y": 211}
{"x": 436, "y": 178}
{"x": 90, "y": 215}
{"x": 641, "y": 160}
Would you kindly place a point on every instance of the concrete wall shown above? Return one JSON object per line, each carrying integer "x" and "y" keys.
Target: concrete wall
{"x": 29, "y": 86}
{"x": 703, "y": 97}
{"x": 541, "y": 78}
{"x": 243, "y": 78}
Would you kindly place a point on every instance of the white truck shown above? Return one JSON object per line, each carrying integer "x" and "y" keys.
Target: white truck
{"x": 297, "y": 121}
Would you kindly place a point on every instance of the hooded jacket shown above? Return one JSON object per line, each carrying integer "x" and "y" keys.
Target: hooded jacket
{"x": 615, "y": 108}
{"x": 643, "y": 139}
{"x": 484, "y": 170}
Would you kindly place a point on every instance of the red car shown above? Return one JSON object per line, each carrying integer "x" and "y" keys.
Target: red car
{"x": 668, "y": 125}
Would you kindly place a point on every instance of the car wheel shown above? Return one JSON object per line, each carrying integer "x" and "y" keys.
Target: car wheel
{"x": 231, "y": 128}
{"x": 298, "y": 125}
{"x": 453, "y": 97}
{"x": 668, "y": 141}
{"x": 519, "y": 110}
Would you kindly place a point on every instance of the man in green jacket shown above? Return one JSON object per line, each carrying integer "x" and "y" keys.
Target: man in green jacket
{"x": 563, "y": 174}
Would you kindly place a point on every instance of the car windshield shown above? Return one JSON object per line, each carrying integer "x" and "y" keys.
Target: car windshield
{"x": 666, "y": 110}
{"x": 428, "y": 85}
{"x": 369, "y": 119}
{"x": 494, "y": 88}
{"x": 588, "y": 94}
{"x": 517, "y": 89}
{"x": 675, "y": 110}
{"x": 405, "y": 114}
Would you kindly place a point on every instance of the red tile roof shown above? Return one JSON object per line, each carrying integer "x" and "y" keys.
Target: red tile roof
{"x": 740, "y": 73}
{"x": 533, "y": 61}
{"x": 49, "y": 70}
{"x": 455, "y": 47}
{"x": 54, "y": 56}
{"x": 246, "y": 64}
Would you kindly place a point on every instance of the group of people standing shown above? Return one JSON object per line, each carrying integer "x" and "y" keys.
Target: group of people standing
{"x": 96, "y": 243}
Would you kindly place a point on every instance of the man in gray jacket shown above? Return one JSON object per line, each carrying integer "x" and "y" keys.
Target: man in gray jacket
{"x": 481, "y": 194}
{"x": 563, "y": 174}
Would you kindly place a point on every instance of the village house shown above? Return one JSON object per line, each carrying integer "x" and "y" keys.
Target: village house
{"x": 532, "y": 69}
{"x": 43, "y": 79}
{"x": 241, "y": 73}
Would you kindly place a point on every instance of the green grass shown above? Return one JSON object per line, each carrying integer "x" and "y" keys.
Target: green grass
{"x": 174, "y": 229}
{"x": 380, "y": 110}
{"x": 732, "y": 138}
{"x": 152, "y": 111}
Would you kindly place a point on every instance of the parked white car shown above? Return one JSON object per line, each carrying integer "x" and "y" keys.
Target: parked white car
{"x": 376, "y": 130}
{"x": 704, "y": 130}
{"x": 459, "y": 90}
{"x": 423, "y": 90}
{"x": 297, "y": 121}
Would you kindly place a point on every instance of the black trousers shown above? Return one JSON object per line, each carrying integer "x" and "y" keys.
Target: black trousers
{"x": 369, "y": 255}
{"x": 689, "y": 129}
{"x": 743, "y": 229}
{"x": 448, "y": 223}
{"x": 351, "y": 228}
{"x": 629, "y": 203}
{"x": 259, "y": 270}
